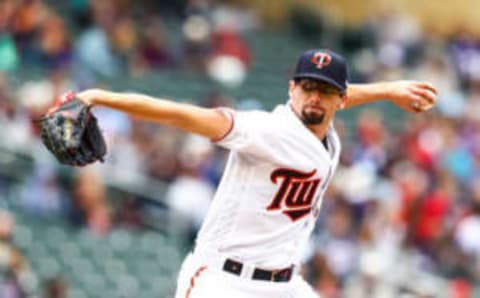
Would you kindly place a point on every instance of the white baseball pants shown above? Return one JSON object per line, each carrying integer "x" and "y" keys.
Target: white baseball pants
{"x": 199, "y": 280}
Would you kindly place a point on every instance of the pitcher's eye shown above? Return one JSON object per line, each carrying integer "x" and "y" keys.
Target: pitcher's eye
{"x": 309, "y": 86}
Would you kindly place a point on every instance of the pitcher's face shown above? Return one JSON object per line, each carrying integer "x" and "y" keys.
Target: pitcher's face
{"x": 314, "y": 101}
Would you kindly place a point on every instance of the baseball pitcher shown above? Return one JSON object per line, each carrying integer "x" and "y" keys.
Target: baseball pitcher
{"x": 279, "y": 166}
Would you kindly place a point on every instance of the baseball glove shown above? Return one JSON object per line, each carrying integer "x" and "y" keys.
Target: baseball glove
{"x": 70, "y": 132}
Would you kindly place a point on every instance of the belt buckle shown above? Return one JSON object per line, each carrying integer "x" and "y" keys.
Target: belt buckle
{"x": 275, "y": 273}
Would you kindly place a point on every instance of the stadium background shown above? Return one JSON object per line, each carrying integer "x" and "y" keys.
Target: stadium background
{"x": 402, "y": 218}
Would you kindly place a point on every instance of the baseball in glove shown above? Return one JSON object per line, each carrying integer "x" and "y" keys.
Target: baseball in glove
{"x": 71, "y": 133}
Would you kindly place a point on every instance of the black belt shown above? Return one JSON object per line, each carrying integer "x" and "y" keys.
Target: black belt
{"x": 282, "y": 275}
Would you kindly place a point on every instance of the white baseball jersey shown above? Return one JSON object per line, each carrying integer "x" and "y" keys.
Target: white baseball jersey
{"x": 267, "y": 202}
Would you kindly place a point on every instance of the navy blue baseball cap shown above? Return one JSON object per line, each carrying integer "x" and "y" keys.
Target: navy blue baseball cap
{"x": 323, "y": 65}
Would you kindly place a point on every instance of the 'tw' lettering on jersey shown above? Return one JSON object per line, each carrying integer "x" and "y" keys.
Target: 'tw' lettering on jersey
{"x": 296, "y": 192}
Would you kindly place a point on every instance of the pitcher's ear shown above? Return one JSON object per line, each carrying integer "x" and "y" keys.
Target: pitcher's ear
{"x": 291, "y": 85}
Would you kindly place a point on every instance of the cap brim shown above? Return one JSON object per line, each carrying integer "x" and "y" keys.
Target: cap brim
{"x": 324, "y": 79}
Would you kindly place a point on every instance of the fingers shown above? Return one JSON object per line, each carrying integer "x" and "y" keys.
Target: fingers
{"x": 421, "y": 99}
{"x": 415, "y": 96}
{"x": 425, "y": 94}
{"x": 428, "y": 86}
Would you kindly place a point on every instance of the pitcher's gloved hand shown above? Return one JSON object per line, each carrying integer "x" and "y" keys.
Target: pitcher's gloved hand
{"x": 70, "y": 131}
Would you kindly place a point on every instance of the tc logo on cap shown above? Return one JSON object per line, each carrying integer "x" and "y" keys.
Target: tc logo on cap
{"x": 321, "y": 59}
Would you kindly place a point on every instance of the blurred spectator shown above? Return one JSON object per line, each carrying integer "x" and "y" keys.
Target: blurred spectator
{"x": 130, "y": 213}
{"x": 94, "y": 54}
{"x": 8, "y": 9}
{"x": 190, "y": 195}
{"x": 123, "y": 39}
{"x": 89, "y": 206}
{"x": 13, "y": 119}
{"x": 440, "y": 71}
{"x": 230, "y": 56}
{"x": 425, "y": 142}
{"x": 457, "y": 159}
{"x": 368, "y": 283}
{"x": 93, "y": 51}
{"x": 337, "y": 243}
{"x": 157, "y": 150}
{"x": 13, "y": 265}
{"x": 325, "y": 282}
{"x": 429, "y": 219}
{"x": 398, "y": 35}
{"x": 153, "y": 48}
{"x": 370, "y": 150}
{"x": 54, "y": 43}
{"x": 465, "y": 53}
{"x": 41, "y": 194}
{"x": 27, "y": 23}
{"x": 9, "y": 57}
{"x": 196, "y": 43}
{"x": 466, "y": 235}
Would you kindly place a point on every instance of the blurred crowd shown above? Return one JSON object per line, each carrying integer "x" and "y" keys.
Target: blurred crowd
{"x": 402, "y": 216}
{"x": 107, "y": 38}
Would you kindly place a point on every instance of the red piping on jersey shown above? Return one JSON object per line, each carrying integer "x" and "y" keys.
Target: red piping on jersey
{"x": 192, "y": 280}
{"x": 229, "y": 114}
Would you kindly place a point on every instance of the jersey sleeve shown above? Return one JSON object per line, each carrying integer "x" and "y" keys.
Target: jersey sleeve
{"x": 252, "y": 132}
